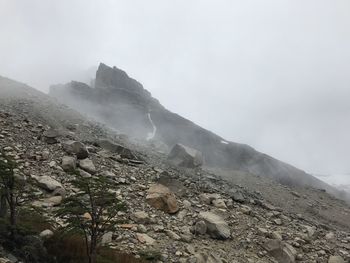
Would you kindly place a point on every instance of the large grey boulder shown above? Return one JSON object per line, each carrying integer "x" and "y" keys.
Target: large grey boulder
{"x": 77, "y": 148}
{"x": 68, "y": 163}
{"x": 336, "y": 259}
{"x": 184, "y": 156}
{"x": 48, "y": 183}
{"x": 50, "y": 136}
{"x": 216, "y": 226}
{"x": 281, "y": 251}
{"x": 116, "y": 148}
{"x": 88, "y": 166}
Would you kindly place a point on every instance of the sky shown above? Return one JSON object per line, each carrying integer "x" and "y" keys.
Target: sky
{"x": 273, "y": 74}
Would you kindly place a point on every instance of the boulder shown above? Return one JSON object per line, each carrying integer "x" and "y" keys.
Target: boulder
{"x": 140, "y": 217}
{"x": 54, "y": 200}
{"x": 330, "y": 236}
{"x": 106, "y": 238}
{"x": 237, "y": 196}
{"x": 219, "y": 203}
{"x": 200, "y": 228}
{"x": 282, "y": 252}
{"x": 68, "y": 163}
{"x": 216, "y": 226}
{"x": 77, "y": 148}
{"x": 160, "y": 197}
{"x": 50, "y": 136}
{"x": 207, "y": 258}
{"x": 336, "y": 259}
{"x": 84, "y": 173}
{"x": 145, "y": 239}
{"x": 208, "y": 198}
{"x": 88, "y": 166}
{"x": 184, "y": 156}
{"x": 116, "y": 148}
{"x": 48, "y": 183}
{"x": 172, "y": 235}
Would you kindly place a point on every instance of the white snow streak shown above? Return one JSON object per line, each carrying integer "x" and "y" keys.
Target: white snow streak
{"x": 151, "y": 135}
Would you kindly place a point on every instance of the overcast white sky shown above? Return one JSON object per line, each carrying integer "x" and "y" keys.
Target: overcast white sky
{"x": 272, "y": 74}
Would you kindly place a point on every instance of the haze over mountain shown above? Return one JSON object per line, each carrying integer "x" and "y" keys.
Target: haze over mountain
{"x": 122, "y": 103}
{"x": 179, "y": 131}
{"x": 269, "y": 74}
{"x": 181, "y": 214}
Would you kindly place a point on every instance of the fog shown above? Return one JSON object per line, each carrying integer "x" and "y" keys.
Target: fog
{"x": 271, "y": 74}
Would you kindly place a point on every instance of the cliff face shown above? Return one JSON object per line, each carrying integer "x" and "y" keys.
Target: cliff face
{"x": 122, "y": 103}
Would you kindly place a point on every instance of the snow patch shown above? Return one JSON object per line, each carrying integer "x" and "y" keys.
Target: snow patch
{"x": 151, "y": 135}
{"x": 224, "y": 142}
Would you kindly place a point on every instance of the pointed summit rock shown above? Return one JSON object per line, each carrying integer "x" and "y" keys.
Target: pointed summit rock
{"x": 115, "y": 78}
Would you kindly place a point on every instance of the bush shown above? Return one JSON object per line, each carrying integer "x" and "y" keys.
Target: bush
{"x": 68, "y": 248}
{"x": 23, "y": 240}
{"x": 32, "y": 221}
{"x": 150, "y": 255}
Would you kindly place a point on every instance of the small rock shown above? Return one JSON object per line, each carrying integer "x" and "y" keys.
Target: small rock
{"x": 77, "y": 148}
{"x": 330, "y": 236}
{"x": 54, "y": 200}
{"x": 46, "y": 234}
{"x": 107, "y": 238}
{"x": 219, "y": 203}
{"x": 172, "y": 235}
{"x": 187, "y": 204}
{"x": 140, "y": 217}
{"x": 200, "y": 228}
{"x": 145, "y": 239}
{"x": 207, "y": 258}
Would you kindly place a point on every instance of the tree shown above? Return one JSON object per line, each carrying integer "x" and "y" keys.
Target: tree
{"x": 13, "y": 188}
{"x": 92, "y": 211}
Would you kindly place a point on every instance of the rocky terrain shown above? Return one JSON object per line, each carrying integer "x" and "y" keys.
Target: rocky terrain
{"x": 121, "y": 102}
{"x": 183, "y": 214}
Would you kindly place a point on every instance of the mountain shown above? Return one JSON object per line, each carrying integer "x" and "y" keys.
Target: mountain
{"x": 171, "y": 213}
{"x": 122, "y": 103}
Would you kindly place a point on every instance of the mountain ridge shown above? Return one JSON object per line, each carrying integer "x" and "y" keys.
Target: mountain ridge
{"x": 122, "y": 103}
{"x": 254, "y": 211}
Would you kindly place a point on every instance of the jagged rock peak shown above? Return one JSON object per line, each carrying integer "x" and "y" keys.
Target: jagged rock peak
{"x": 115, "y": 78}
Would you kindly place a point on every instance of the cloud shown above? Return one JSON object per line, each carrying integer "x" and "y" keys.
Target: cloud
{"x": 272, "y": 74}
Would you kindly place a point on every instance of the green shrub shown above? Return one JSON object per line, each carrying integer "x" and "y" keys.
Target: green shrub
{"x": 33, "y": 221}
{"x": 23, "y": 240}
{"x": 68, "y": 248}
{"x": 150, "y": 255}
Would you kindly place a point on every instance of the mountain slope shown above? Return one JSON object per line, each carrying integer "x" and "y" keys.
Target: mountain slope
{"x": 253, "y": 210}
{"x": 122, "y": 103}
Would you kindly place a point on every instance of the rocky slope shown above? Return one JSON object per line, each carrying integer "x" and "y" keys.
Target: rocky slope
{"x": 208, "y": 218}
{"x": 122, "y": 103}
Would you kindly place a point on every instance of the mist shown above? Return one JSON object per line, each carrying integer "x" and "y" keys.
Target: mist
{"x": 271, "y": 74}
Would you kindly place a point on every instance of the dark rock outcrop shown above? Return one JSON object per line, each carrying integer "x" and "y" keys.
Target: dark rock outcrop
{"x": 122, "y": 103}
{"x": 186, "y": 157}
